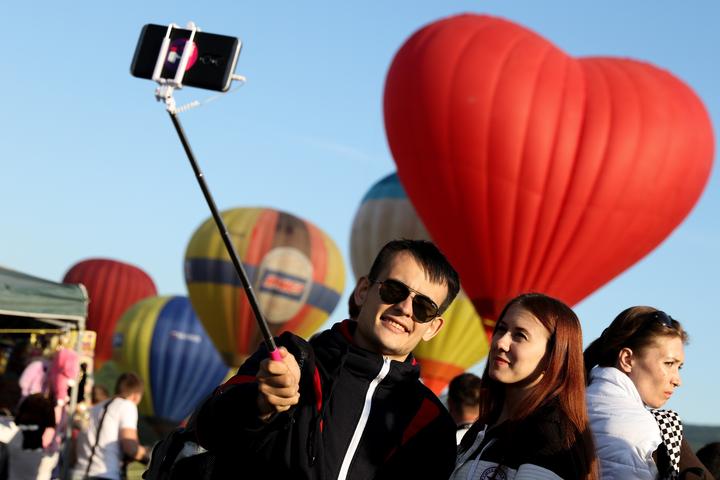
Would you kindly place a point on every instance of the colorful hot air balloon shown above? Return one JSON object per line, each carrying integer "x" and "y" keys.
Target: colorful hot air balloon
{"x": 385, "y": 214}
{"x": 112, "y": 286}
{"x": 534, "y": 170}
{"x": 296, "y": 271}
{"x": 163, "y": 341}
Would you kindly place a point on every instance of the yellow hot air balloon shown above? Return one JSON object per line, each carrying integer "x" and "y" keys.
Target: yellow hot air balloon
{"x": 386, "y": 213}
{"x": 296, "y": 270}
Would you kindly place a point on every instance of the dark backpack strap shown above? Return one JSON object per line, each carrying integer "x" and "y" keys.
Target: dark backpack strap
{"x": 97, "y": 437}
{"x": 165, "y": 452}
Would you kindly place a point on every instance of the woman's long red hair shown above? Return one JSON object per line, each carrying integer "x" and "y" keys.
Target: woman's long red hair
{"x": 563, "y": 379}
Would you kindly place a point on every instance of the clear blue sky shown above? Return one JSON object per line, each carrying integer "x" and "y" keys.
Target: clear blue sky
{"x": 91, "y": 165}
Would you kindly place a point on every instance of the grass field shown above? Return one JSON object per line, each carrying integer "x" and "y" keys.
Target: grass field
{"x": 135, "y": 470}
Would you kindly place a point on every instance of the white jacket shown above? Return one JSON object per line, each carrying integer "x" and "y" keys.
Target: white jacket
{"x": 624, "y": 430}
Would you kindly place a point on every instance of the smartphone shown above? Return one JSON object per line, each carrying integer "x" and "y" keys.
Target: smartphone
{"x": 211, "y": 65}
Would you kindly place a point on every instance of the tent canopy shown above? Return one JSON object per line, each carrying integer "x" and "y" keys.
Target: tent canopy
{"x": 23, "y": 296}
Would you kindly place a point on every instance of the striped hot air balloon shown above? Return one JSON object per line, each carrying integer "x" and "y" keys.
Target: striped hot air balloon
{"x": 386, "y": 213}
{"x": 163, "y": 341}
{"x": 112, "y": 286}
{"x": 296, "y": 270}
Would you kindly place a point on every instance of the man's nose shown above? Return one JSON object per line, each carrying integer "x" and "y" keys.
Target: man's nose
{"x": 406, "y": 305}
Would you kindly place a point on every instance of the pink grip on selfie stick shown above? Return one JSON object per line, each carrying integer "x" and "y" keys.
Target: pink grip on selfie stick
{"x": 275, "y": 355}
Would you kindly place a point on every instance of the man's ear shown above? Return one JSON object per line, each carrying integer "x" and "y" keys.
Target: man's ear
{"x": 436, "y": 325}
{"x": 361, "y": 291}
{"x": 625, "y": 360}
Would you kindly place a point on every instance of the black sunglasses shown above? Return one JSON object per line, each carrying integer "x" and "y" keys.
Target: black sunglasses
{"x": 394, "y": 291}
{"x": 662, "y": 318}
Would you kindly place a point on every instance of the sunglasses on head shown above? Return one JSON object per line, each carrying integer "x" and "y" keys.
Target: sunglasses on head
{"x": 394, "y": 291}
{"x": 662, "y": 318}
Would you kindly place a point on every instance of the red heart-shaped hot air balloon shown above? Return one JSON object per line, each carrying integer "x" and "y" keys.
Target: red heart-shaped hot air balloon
{"x": 534, "y": 170}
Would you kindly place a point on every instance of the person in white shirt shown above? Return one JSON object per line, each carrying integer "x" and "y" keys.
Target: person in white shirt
{"x": 111, "y": 436}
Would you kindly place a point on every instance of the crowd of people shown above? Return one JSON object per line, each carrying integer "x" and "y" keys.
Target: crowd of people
{"x": 349, "y": 402}
{"x": 34, "y": 416}
{"x": 34, "y": 422}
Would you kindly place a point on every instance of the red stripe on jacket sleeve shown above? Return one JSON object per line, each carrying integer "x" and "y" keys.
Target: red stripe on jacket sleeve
{"x": 317, "y": 386}
{"x": 345, "y": 331}
{"x": 427, "y": 412}
{"x": 235, "y": 380}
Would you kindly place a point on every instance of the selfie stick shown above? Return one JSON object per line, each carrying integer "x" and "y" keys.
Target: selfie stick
{"x": 164, "y": 93}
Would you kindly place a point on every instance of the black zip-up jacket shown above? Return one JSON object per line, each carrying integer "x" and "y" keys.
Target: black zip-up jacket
{"x": 402, "y": 432}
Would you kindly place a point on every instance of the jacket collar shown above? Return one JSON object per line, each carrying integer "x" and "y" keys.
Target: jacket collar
{"x": 617, "y": 378}
{"x": 338, "y": 347}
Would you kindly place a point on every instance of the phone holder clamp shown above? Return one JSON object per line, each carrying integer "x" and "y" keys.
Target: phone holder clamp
{"x": 167, "y": 86}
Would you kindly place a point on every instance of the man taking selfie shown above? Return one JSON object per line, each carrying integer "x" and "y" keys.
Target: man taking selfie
{"x": 348, "y": 403}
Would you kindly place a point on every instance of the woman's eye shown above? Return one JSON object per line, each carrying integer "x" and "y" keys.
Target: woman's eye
{"x": 669, "y": 364}
{"x": 520, "y": 336}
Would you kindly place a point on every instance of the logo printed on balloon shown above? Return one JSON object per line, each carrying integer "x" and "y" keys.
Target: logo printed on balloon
{"x": 190, "y": 337}
{"x": 285, "y": 277}
{"x": 282, "y": 284}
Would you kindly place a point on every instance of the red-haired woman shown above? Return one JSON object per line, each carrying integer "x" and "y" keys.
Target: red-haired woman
{"x": 633, "y": 369}
{"x": 533, "y": 422}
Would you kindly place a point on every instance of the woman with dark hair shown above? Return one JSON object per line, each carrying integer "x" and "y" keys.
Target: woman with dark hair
{"x": 533, "y": 423}
{"x": 633, "y": 368}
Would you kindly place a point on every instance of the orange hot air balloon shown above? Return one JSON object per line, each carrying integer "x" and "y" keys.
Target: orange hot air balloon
{"x": 296, "y": 270}
{"x": 534, "y": 170}
{"x": 112, "y": 286}
{"x": 385, "y": 213}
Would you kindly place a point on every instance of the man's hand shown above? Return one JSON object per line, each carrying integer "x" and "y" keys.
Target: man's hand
{"x": 278, "y": 384}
